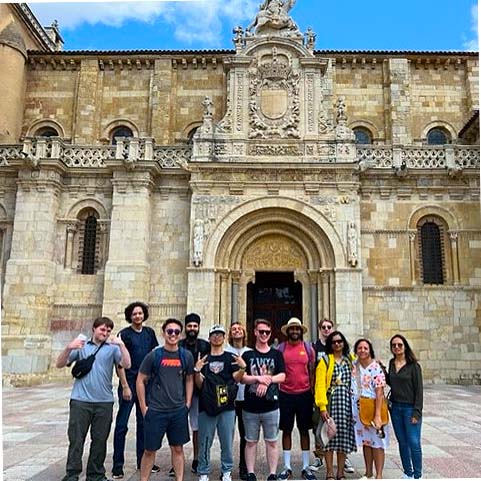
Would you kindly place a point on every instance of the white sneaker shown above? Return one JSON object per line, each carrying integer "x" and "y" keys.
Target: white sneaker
{"x": 316, "y": 465}
{"x": 348, "y": 467}
{"x": 204, "y": 477}
{"x": 405, "y": 476}
{"x": 226, "y": 476}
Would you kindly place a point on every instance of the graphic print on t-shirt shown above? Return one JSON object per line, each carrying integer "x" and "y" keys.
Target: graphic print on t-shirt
{"x": 216, "y": 367}
{"x": 170, "y": 362}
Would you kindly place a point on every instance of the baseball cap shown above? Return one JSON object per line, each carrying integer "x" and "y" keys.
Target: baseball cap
{"x": 216, "y": 328}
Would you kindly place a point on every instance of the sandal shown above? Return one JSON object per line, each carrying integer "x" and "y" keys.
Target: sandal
{"x": 330, "y": 476}
{"x": 341, "y": 477}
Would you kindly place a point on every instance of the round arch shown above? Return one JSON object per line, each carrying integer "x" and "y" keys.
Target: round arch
{"x": 442, "y": 125}
{"x": 432, "y": 210}
{"x": 43, "y": 124}
{"x": 81, "y": 205}
{"x": 315, "y": 234}
{"x": 118, "y": 123}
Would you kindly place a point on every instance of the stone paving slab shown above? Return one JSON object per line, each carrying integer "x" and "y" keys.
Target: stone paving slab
{"x": 35, "y": 438}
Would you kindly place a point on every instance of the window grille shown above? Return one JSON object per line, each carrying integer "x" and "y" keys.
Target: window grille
{"x": 432, "y": 252}
{"x": 437, "y": 136}
{"x": 88, "y": 245}
{"x": 363, "y": 136}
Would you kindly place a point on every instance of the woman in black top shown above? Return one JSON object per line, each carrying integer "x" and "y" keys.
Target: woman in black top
{"x": 406, "y": 381}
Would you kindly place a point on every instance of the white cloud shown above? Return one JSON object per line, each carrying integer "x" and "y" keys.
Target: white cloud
{"x": 473, "y": 43}
{"x": 192, "y": 20}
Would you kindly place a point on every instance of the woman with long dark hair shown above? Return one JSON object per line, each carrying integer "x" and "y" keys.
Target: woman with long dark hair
{"x": 333, "y": 397}
{"x": 406, "y": 381}
{"x": 369, "y": 381}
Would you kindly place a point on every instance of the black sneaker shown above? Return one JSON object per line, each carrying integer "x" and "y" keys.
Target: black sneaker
{"x": 171, "y": 473}
{"x": 272, "y": 477}
{"x": 117, "y": 473}
{"x": 195, "y": 465}
{"x": 251, "y": 477}
{"x": 307, "y": 474}
{"x": 155, "y": 469}
{"x": 285, "y": 474}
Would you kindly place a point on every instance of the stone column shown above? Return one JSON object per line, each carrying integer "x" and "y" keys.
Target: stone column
{"x": 313, "y": 278}
{"x": 453, "y": 236}
{"x": 234, "y": 316}
{"x": 30, "y": 274}
{"x": 71, "y": 231}
{"x": 412, "y": 255}
{"x": 13, "y": 55}
{"x": 201, "y": 296}
{"x": 399, "y": 101}
{"x": 127, "y": 271}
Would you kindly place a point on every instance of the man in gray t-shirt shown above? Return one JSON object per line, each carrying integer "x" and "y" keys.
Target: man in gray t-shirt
{"x": 92, "y": 399}
{"x": 170, "y": 370}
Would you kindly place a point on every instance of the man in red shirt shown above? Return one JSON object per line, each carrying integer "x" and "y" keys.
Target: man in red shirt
{"x": 295, "y": 397}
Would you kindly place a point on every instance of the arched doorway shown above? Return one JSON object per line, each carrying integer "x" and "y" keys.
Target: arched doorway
{"x": 275, "y": 263}
{"x": 275, "y": 296}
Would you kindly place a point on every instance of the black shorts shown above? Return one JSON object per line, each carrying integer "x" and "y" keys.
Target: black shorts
{"x": 173, "y": 423}
{"x": 296, "y": 406}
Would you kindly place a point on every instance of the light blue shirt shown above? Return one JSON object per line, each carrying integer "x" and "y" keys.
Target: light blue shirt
{"x": 96, "y": 386}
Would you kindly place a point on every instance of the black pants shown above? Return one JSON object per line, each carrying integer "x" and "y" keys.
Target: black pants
{"x": 242, "y": 434}
{"x": 97, "y": 417}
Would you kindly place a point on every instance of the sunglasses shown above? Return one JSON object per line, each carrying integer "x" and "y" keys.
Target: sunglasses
{"x": 397, "y": 344}
{"x": 171, "y": 332}
{"x": 264, "y": 332}
{"x": 337, "y": 341}
{"x": 327, "y": 326}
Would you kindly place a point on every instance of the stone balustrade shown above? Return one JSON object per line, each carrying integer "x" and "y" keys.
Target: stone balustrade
{"x": 170, "y": 157}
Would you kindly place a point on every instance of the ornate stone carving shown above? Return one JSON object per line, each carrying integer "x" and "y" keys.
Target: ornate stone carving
{"x": 274, "y": 98}
{"x": 239, "y": 39}
{"x": 272, "y": 252}
{"x": 343, "y": 132}
{"x": 310, "y": 39}
{"x": 207, "y": 125}
{"x": 282, "y": 150}
{"x": 198, "y": 239}
{"x": 273, "y": 18}
{"x": 352, "y": 255}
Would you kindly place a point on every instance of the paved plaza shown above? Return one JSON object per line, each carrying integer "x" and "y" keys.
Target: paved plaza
{"x": 35, "y": 439}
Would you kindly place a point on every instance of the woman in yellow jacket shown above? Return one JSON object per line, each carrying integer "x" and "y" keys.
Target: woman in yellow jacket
{"x": 333, "y": 397}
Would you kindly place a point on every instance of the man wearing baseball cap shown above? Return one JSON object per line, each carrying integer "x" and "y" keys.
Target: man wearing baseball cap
{"x": 216, "y": 376}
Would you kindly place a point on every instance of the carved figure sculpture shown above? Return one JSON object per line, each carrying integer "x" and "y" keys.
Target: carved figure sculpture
{"x": 274, "y": 15}
{"x": 310, "y": 37}
{"x": 198, "y": 242}
{"x": 352, "y": 257}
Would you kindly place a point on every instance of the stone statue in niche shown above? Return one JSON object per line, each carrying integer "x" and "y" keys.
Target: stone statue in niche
{"x": 274, "y": 16}
{"x": 352, "y": 257}
{"x": 198, "y": 242}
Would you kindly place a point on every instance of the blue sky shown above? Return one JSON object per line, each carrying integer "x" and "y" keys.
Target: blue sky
{"x": 207, "y": 24}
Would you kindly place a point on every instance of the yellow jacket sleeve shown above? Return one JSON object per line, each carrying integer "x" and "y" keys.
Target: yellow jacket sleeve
{"x": 323, "y": 381}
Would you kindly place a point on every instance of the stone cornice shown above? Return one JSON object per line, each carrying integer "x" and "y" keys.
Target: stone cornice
{"x": 34, "y": 26}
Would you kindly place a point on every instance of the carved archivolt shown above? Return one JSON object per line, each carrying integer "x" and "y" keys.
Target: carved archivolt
{"x": 274, "y": 252}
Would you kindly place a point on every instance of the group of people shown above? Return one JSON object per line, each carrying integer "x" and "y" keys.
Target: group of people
{"x": 211, "y": 383}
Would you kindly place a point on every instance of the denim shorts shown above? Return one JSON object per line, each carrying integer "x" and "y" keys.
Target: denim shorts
{"x": 158, "y": 423}
{"x": 269, "y": 422}
{"x": 194, "y": 413}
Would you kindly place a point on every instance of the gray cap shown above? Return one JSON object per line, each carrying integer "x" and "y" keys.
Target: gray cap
{"x": 216, "y": 328}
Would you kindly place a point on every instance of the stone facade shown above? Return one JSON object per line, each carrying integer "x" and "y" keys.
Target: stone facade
{"x": 272, "y": 181}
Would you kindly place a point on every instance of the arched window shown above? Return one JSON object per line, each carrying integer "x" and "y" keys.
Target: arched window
{"x": 363, "y": 135}
{"x": 190, "y": 136}
{"x": 89, "y": 242}
{"x": 46, "y": 132}
{"x": 431, "y": 238}
{"x": 438, "y": 136}
{"x": 121, "y": 131}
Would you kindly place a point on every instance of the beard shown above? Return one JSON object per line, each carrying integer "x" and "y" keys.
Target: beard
{"x": 191, "y": 335}
{"x": 294, "y": 336}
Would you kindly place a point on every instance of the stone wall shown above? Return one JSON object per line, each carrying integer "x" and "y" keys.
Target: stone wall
{"x": 442, "y": 325}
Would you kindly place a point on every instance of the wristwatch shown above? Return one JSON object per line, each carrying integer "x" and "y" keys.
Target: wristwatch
{"x": 196, "y": 369}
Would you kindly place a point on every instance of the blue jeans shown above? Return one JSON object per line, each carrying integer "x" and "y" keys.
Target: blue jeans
{"x": 409, "y": 438}
{"x": 224, "y": 423}
{"x": 121, "y": 428}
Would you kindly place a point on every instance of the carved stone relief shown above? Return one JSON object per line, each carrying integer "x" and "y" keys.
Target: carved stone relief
{"x": 271, "y": 252}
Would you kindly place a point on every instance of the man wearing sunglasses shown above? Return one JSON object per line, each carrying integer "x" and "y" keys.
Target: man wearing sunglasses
{"x": 264, "y": 368}
{"x": 169, "y": 400}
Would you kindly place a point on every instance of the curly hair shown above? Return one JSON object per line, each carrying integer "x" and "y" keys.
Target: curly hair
{"x": 130, "y": 308}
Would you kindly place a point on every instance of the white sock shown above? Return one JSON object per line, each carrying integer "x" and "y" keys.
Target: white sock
{"x": 287, "y": 459}
{"x": 305, "y": 459}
